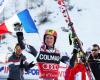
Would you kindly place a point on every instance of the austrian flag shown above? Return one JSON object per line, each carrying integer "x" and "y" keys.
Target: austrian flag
{"x": 23, "y": 18}
{"x": 78, "y": 72}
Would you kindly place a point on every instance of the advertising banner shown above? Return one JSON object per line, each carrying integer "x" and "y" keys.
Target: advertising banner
{"x": 32, "y": 74}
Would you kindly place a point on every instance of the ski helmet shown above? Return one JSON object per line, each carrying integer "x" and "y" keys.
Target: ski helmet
{"x": 52, "y": 33}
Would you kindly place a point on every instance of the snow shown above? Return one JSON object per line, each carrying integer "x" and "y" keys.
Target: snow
{"x": 86, "y": 22}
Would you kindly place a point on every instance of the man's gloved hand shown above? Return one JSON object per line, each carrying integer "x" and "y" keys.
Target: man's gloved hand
{"x": 31, "y": 50}
{"x": 73, "y": 58}
{"x": 20, "y": 35}
{"x": 20, "y": 39}
{"x": 31, "y": 65}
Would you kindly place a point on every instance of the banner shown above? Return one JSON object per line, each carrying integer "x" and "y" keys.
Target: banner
{"x": 32, "y": 74}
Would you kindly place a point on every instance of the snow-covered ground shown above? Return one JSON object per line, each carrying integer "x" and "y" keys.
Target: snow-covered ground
{"x": 86, "y": 21}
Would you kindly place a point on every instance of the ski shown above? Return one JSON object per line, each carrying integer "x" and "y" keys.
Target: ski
{"x": 76, "y": 41}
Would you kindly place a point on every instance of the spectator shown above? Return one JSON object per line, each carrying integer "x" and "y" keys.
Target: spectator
{"x": 94, "y": 60}
{"x": 17, "y": 64}
{"x": 95, "y": 52}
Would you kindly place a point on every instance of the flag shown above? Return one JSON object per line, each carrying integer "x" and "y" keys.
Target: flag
{"x": 23, "y": 18}
{"x": 78, "y": 72}
{"x": 3, "y": 28}
{"x": 67, "y": 72}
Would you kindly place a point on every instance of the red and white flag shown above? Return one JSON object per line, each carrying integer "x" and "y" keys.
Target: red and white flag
{"x": 78, "y": 72}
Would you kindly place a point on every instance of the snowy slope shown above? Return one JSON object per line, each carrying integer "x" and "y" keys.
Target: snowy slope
{"x": 86, "y": 22}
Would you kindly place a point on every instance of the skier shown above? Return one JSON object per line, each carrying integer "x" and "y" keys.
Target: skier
{"x": 48, "y": 47}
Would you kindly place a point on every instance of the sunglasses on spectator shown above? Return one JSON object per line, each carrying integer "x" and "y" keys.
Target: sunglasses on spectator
{"x": 94, "y": 49}
{"x": 18, "y": 48}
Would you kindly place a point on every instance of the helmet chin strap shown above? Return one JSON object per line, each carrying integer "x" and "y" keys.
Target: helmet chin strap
{"x": 50, "y": 47}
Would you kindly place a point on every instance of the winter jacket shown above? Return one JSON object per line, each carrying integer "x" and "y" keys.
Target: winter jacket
{"x": 16, "y": 69}
{"x": 48, "y": 50}
{"x": 95, "y": 66}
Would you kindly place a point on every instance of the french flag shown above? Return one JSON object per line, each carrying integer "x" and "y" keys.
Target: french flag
{"x": 23, "y": 18}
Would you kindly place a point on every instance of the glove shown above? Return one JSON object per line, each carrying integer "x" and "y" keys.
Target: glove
{"x": 64, "y": 59}
{"x": 72, "y": 60}
{"x": 33, "y": 51}
{"x": 20, "y": 39}
{"x": 70, "y": 40}
{"x": 31, "y": 65}
{"x": 20, "y": 35}
{"x": 83, "y": 59}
